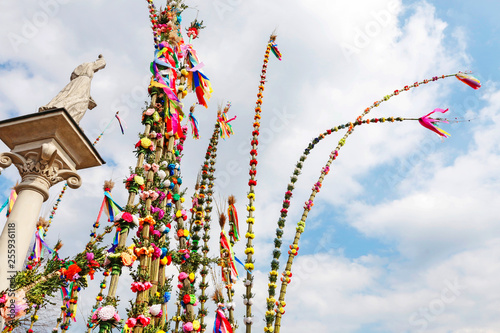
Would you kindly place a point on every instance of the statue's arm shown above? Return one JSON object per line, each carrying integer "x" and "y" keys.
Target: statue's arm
{"x": 92, "y": 103}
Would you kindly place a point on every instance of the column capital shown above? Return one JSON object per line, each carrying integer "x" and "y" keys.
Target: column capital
{"x": 40, "y": 169}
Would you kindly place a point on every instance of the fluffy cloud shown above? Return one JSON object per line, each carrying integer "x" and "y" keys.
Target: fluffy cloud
{"x": 338, "y": 59}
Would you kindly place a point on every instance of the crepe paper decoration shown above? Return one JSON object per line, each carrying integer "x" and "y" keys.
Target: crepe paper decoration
{"x": 428, "y": 123}
{"x": 112, "y": 208}
{"x": 12, "y": 201}
{"x": 173, "y": 120}
{"x": 233, "y": 221}
{"x": 165, "y": 79}
{"x": 173, "y": 108}
{"x": 134, "y": 183}
{"x": 166, "y": 57}
{"x": 469, "y": 80}
{"x": 170, "y": 94}
{"x": 226, "y": 130}
{"x": 72, "y": 314}
{"x": 107, "y": 317}
{"x": 120, "y": 121}
{"x": 65, "y": 295}
{"x": 116, "y": 240}
{"x": 274, "y": 49}
{"x": 140, "y": 286}
{"x": 196, "y": 80}
{"x": 194, "y": 126}
{"x": 4, "y": 205}
{"x": 222, "y": 324}
{"x": 107, "y": 126}
{"x": 227, "y": 248}
{"x": 39, "y": 245}
{"x": 194, "y": 29}
{"x": 200, "y": 84}
{"x": 242, "y": 264}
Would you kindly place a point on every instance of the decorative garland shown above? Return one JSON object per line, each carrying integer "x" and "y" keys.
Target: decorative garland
{"x": 249, "y": 262}
{"x": 228, "y": 261}
{"x": 202, "y": 209}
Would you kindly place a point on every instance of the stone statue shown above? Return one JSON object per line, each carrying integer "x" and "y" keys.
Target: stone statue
{"x": 75, "y": 97}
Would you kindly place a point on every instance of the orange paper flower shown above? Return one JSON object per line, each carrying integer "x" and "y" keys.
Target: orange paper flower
{"x": 148, "y": 219}
{"x": 128, "y": 259}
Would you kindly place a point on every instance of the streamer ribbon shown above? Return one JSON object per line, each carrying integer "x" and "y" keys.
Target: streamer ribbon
{"x": 276, "y": 52}
{"x": 120, "y": 121}
{"x": 428, "y": 123}
{"x": 4, "y": 205}
{"x": 194, "y": 126}
{"x": 222, "y": 324}
{"x": 226, "y": 245}
{"x": 241, "y": 263}
{"x": 112, "y": 208}
{"x": 40, "y": 244}
{"x": 233, "y": 216}
{"x": 12, "y": 200}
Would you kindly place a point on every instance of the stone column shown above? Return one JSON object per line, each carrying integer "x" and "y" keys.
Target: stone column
{"x": 38, "y": 175}
{"x": 46, "y": 148}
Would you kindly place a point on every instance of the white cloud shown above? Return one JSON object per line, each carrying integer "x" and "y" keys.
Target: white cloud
{"x": 440, "y": 214}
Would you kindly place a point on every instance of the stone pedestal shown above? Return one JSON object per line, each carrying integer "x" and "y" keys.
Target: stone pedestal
{"x": 47, "y": 148}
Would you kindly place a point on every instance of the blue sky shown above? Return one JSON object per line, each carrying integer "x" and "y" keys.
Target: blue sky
{"x": 403, "y": 216}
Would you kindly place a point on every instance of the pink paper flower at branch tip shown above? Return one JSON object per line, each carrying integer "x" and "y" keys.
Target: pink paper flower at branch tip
{"x": 428, "y": 123}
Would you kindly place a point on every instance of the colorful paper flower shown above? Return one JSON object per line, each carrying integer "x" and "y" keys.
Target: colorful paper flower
{"x": 155, "y": 310}
{"x": 143, "y": 320}
{"x": 106, "y": 312}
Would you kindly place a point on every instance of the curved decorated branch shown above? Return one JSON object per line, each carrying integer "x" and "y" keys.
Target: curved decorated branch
{"x": 426, "y": 121}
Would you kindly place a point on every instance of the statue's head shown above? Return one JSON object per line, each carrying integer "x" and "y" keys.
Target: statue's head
{"x": 100, "y": 63}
